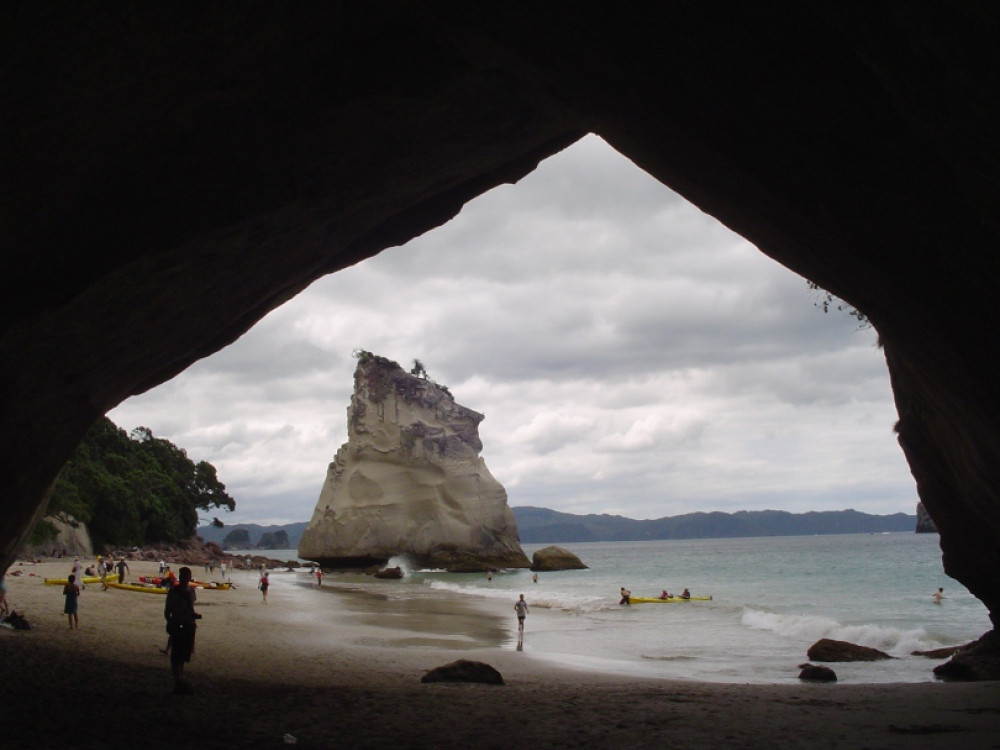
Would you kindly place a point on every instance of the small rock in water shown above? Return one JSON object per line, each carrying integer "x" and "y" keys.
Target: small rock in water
{"x": 827, "y": 649}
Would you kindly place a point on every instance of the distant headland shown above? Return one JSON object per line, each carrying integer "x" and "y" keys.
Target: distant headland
{"x": 541, "y": 525}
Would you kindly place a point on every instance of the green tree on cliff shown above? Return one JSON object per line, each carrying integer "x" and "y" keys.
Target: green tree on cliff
{"x": 135, "y": 490}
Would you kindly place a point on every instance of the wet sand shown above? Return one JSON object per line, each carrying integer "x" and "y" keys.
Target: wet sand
{"x": 343, "y": 671}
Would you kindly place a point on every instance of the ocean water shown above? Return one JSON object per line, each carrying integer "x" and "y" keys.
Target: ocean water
{"x": 771, "y": 599}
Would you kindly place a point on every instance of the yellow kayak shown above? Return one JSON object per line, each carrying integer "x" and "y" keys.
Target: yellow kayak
{"x": 138, "y": 587}
{"x": 150, "y": 589}
{"x": 86, "y": 580}
{"x": 671, "y": 600}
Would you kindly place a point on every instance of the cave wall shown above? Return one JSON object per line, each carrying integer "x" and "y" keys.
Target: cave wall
{"x": 170, "y": 175}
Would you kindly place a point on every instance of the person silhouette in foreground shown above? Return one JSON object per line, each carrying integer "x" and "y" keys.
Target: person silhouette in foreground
{"x": 72, "y": 593}
{"x": 180, "y": 616}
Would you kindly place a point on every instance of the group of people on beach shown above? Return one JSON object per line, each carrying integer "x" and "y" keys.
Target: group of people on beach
{"x": 75, "y": 584}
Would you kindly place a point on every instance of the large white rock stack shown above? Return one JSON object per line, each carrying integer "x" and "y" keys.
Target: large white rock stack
{"x": 410, "y": 481}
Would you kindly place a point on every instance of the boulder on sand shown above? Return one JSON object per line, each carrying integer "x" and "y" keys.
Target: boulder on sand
{"x": 464, "y": 670}
{"x": 816, "y": 673}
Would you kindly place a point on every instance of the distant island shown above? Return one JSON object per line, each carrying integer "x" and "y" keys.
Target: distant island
{"x": 251, "y": 536}
{"x": 541, "y": 525}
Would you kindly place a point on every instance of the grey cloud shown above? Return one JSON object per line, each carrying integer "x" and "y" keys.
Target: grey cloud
{"x": 629, "y": 353}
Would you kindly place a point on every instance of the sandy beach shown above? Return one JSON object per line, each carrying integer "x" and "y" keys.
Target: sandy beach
{"x": 340, "y": 669}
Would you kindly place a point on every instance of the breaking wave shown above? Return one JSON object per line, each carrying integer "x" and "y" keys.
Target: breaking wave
{"x": 811, "y": 628}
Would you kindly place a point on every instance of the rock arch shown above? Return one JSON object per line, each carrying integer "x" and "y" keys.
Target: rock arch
{"x": 169, "y": 179}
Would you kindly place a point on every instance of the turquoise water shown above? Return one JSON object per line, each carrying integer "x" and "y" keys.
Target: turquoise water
{"x": 772, "y": 598}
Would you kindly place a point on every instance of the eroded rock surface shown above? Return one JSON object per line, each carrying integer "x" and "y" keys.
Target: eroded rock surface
{"x": 410, "y": 481}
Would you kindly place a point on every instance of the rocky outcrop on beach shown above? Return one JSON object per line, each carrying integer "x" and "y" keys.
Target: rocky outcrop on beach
{"x": 973, "y": 662}
{"x": 72, "y": 538}
{"x": 555, "y": 558}
{"x": 827, "y": 649}
{"x": 410, "y": 481}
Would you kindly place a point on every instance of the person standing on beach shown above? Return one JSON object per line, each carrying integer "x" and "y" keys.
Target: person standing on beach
{"x": 319, "y": 576}
{"x": 72, "y": 593}
{"x": 180, "y": 616}
{"x": 121, "y": 566}
{"x": 103, "y": 573}
{"x": 521, "y": 607}
{"x": 263, "y": 585}
{"x": 77, "y": 571}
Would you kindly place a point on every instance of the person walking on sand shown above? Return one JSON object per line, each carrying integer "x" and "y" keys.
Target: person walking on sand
{"x": 263, "y": 585}
{"x": 72, "y": 593}
{"x": 180, "y": 616}
{"x": 319, "y": 576}
{"x": 938, "y": 595}
{"x": 521, "y": 608}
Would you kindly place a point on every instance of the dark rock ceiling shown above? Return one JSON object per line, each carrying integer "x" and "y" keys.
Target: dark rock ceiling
{"x": 170, "y": 174}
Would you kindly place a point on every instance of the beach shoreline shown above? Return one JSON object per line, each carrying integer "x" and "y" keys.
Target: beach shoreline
{"x": 345, "y": 670}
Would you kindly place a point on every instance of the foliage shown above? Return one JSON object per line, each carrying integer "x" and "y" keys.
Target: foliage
{"x": 135, "y": 490}
{"x": 828, "y": 301}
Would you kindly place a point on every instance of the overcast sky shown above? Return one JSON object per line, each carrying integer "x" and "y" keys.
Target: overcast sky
{"x": 631, "y": 355}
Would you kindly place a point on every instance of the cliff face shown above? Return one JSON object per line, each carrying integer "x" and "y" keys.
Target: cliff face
{"x": 72, "y": 539}
{"x": 925, "y": 524}
{"x": 410, "y": 481}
